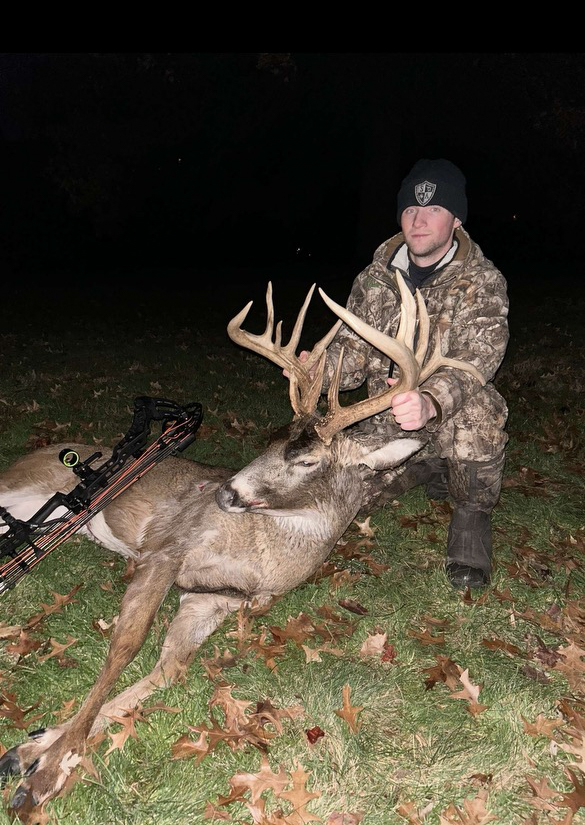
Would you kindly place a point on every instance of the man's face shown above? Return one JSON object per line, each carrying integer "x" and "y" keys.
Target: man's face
{"x": 428, "y": 232}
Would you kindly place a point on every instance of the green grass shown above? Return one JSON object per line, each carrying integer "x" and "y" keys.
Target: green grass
{"x": 76, "y": 378}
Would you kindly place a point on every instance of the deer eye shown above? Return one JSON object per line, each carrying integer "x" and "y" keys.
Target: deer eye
{"x": 307, "y": 463}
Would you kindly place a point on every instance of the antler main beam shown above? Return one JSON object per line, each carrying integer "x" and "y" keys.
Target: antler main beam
{"x": 399, "y": 349}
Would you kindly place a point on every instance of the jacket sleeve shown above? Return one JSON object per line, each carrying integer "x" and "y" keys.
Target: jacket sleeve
{"x": 478, "y": 333}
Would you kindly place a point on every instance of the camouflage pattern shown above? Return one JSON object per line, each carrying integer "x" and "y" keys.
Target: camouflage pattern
{"x": 467, "y": 302}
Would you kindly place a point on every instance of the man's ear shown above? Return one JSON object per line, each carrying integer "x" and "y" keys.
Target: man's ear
{"x": 392, "y": 453}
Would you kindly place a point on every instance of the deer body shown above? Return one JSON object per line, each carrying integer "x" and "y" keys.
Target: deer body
{"x": 222, "y": 539}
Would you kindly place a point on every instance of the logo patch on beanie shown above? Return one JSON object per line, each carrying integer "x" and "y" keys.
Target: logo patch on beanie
{"x": 423, "y": 192}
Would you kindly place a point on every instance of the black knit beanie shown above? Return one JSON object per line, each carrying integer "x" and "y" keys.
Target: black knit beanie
{"x": 434, "y": 182}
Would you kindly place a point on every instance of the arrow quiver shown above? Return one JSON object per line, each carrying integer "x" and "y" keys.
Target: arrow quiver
{"x": 26, "y": 543}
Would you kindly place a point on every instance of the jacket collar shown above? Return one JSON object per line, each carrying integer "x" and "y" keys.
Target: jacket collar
{"x": 387, "y": 251}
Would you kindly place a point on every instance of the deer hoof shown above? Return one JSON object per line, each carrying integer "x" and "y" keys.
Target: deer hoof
{"x": 23, "y": 800}
{"x": 9, "y": 765}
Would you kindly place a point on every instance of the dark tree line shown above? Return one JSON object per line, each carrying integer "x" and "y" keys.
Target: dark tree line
{"x": 123, "y": 159}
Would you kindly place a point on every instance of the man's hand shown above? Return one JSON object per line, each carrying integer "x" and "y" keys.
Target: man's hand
{"x": 412, "y": 409}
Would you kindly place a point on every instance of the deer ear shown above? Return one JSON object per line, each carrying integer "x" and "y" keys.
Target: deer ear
{"x": 392, "y": 453}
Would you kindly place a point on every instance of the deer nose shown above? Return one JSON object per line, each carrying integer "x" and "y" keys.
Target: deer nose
{"x": 228, "y": 498}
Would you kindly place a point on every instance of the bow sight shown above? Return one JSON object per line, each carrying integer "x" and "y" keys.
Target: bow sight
{"x": 28, "y": 542}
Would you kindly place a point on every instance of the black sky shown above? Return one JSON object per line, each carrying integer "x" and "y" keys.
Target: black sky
{"x": 126, "y": 161}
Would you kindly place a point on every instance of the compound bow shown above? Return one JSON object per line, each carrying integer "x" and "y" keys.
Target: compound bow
{"x": 28, "y": 542}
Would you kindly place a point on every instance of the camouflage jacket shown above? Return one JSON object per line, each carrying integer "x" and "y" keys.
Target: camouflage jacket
{"x": 466, "y": 300}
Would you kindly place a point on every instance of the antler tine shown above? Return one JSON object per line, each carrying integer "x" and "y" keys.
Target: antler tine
{"x": 304, "y": 390}
{"x": 392, "y": 347}
{"x": 437, "y": 360}
{"x": 333, "y": 404}
{"x": 407, "y": 324}
{"x": 423, "y": 329}
{"x": 295, "y": 337}
{"x": 262, "y": 344}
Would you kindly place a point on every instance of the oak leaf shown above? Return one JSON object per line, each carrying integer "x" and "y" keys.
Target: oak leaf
{"x": 365, "y": 529}
{"x": 349, "y": 712}
{"x": 470, "y": 692}
{"x": 506, "y": 647}
{"x": 353, "y": 607}
{"x": 576, "y": 799}
{"x": 542, "y": 726}
{"x": 337, "y": 818}
{"x": 58, "y": 649}
{"x": 444, "y": 671}
{"x": 23, "y": 646}
{"x": 262, "y": 781}
{"x": 374, "y": 645}
{"x": 314, "y": 654}
{"x": 474, "y": 812}
{"x": 426, "y": 638}
{"x": 299, "y": 797}
{"x": 186, "y": 748}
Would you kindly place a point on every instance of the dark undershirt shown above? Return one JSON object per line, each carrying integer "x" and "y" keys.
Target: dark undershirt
{"x": 419, "y": 274}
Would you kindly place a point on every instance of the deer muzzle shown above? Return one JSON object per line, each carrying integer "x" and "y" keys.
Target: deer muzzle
{"x": 230, "y": 500}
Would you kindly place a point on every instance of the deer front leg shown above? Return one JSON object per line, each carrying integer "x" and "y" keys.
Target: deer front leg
{"x": 198, "y": 616}
{"x": 48, "y": 760}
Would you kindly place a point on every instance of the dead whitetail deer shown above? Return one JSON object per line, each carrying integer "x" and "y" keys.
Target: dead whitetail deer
{"x": 221, "y": 540}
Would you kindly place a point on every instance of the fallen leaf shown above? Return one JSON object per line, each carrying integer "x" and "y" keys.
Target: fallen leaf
{"x": 262, "y": 781}
{"x": 374, "y": 645}
{"x": 353, "y": 607}
{"x": 470, "y": 692}
{"x": 337, "y": 818}
{"x": 365, "y": 529}
{"x": 474, "y": 812}
{"x": 299, "y": 797}
{"x": 314, "y": 734}
{"x": 349, "y": 713}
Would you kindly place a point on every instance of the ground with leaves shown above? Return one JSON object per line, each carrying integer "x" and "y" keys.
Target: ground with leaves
{"x": 373, "y": 694}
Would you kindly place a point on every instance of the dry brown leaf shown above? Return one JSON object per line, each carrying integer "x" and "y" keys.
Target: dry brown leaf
{"x": 444, "y": 671}
{"x": 542, "y": 794}
{"x": 58, "y": 649}
{"x": 374, "y": 645}
{"x": 349, "y": 712}
{"x": 474, "y": 812}
{"x": 314, "y": 654}
{"x": 23, "y": 646}
{"x": 128, "y": 722}
{"x": 186, "y": 748}
{"x": 506, "y": 647}
{"x": 299, "y": 797}
{"x": 262, "y": 781}
{"x": 470, "y": 692}
{"x": 337, "y": 818}
{"x": 365, "y": 529}
{"x": 426, "y": 638}
{"x": 542, "y": 726}
{"x": 9, "y": 631}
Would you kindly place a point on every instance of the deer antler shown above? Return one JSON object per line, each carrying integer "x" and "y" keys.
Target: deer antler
{"x": 305, "y": 377}
{"x": 399, "y": 349}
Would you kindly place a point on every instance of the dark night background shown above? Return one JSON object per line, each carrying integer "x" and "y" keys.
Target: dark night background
{"x": 136, "y": 166}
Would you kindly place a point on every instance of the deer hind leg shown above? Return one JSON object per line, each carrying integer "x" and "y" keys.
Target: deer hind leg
{"x": 48, "y": 759}
{"x": 198, "y": 616}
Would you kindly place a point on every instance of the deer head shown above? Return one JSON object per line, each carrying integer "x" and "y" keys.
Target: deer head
{"x": 299, "y": 467}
